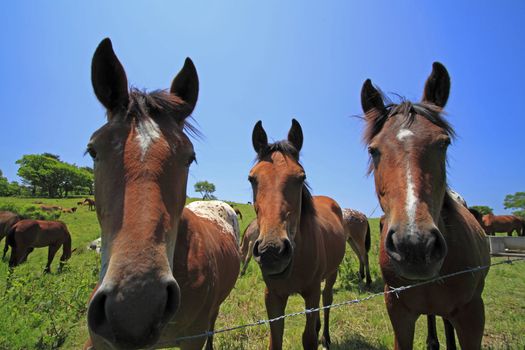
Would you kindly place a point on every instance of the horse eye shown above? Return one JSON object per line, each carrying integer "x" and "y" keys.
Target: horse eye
{"x": 374, "y": 152}
{"x": 91, "y": 151}
{"x": 252, "y": 180}
{"x": 444, "y": 144}
{"x": 192, "y": 159}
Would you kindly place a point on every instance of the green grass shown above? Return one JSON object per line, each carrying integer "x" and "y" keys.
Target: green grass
{"x": 41, "y": 311}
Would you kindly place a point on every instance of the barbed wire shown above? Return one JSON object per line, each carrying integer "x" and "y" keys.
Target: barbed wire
{"x": 392, "y": 290}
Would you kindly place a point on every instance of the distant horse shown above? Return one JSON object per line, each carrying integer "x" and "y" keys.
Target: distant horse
{"x": 251, "y": 233}
{"x": 7, "y": 220}
{"x": 426, "y": 233}
{"x": 357, "y": 230}
{"x": 26, "y": 235}
{"x": 165, "y": 269}
{"x": 46, "y": 207}
{"x": 301, "y": 238}
{"x": 503, "y": 223}
{"x": 90, "y": 203}
{"x": 69, "y": 210}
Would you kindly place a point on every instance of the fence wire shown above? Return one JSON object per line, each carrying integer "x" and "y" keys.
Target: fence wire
{"x": 392, "y": 290}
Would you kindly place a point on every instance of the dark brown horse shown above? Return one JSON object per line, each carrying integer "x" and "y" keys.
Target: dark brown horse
{"x": 7, "y": 220}
{"x": 26, "y": 235}
{"x": 357, "y": 230}
{"x": 165, "y": 269}
{"x": 426, "y": 233}
{"x": 301, "y": 238}
{"x": 251, "y": 233}
{"x": 90, "y": 203}
{"x": 503, "y": 223}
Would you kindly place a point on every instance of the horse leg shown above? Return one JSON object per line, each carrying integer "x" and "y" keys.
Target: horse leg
{"x": 328, "y": 298}
{"x": 209, "y": 341}
{"x": 6, "y": 248}
{"x": 53, "y": 248}
{"x": 469, "y": 323}
{"x": 403, "y": 322}
{"x": 310, "y": 335}
{"x": 449, "y": 335}
{"x": 432, "y": 337}
{"x": 247, "y": 258}
{"x": 275, "y": 306}
{"x": 367, "y": 267}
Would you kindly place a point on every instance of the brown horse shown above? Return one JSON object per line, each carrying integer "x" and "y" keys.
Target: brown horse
{"x": 426, "y": 233}
{"x": 301, "y": 238}
{"x": 357, "y": 231}
{"x": 90, "y": 203}
{"x": 165, "y": 269}
{"x": 251, "y": 233}
{"x": 477, "y": 215}
{"x": 503, "y": 223}
{"x": 7, "y": 220}
{"x": 26, "y": 235}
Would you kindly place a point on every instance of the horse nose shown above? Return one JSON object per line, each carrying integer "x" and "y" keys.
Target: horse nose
{"x": 281, "y": 249}
{"x": 421, "y": 247}
{"x": 132, "y": 318}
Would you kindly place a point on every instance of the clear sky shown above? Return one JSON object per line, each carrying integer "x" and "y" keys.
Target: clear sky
{"x": 274, "y": 60}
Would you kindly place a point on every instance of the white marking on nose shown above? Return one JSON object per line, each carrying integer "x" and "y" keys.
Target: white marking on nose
{"x": 411, "y": 202}
{"x": 403, "y": 134}
{"x": 147, "y": 132}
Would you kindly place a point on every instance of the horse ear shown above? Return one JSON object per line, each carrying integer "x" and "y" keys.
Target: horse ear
{"x": 186, "y": 84}
{"x": 259, "y": 137}
{"x": 109, "y": 78}
{"x": 371, "y": 98}
{"x": 295, "y": 135}
{"x": 437, "y": 86}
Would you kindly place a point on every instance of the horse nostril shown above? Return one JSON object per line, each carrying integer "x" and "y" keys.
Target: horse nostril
{"x": 97, "y": 313}
{"x": 391, "y": 247}
{"x": 286, "y": 249}
{"x": 172, "y": 300}
{"x": 436, "y": 246}
{"x": 256, "y": 253}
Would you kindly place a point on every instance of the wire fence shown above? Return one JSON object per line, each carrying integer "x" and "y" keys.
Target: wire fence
{"x": 392, "y": 290}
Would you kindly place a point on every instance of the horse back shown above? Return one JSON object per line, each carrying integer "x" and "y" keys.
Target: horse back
{"x": 40, "y": 233}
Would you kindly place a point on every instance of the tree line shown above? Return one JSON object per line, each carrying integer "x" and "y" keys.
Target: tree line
{"x": 45, "y": 175}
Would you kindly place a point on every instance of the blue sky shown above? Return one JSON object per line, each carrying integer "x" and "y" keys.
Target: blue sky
{"x": 274, "y": 60}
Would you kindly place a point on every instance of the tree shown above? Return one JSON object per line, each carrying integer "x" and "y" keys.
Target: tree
{"x": 483, "y": 209}
{"x": 205, "y": 188}
{"x": 46, "y": 174}
{"x": 515, "y": 201}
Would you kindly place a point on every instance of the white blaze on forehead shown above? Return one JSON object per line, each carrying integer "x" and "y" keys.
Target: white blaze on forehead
{"x": 403, "y": 134}
{"x": 411, "y": 202}
{"x": 147, "y": 132}
{"x": 220, "y": 213}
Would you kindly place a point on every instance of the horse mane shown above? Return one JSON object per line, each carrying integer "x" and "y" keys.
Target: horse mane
{"x": 287, "y": 148}
{"x": 159, "y": 104}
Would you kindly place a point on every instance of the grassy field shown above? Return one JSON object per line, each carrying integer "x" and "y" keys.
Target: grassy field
{"x": 39, "y": 311}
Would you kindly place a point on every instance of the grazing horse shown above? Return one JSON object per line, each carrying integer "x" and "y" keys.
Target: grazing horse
{"x": 301, "y": 238}
{"x": 165, "y": 269}
{"x": 26, "y": 235}
{"x": 425, "y": 233}
{"x": 357, "y": 231}
{"x": 477, "y": 215}
{"x": 90, "y": 203}
{"x": 7, "y": 220}
{"x": 248, "y": 239}
{"x": 503, "y": 223}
